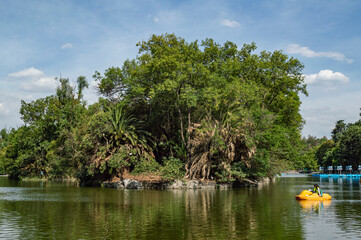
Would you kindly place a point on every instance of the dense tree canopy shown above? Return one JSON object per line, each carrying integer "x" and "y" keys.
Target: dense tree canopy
{"x": 189, "y": 91}
{"x": 344, "y": 149}
{"x": 196, "y": 110}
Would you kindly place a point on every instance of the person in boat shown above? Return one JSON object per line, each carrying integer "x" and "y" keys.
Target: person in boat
{"x": 317, "y": 189}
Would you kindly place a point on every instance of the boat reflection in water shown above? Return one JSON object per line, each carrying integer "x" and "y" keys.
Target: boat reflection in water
{"x": 317, "y": 206}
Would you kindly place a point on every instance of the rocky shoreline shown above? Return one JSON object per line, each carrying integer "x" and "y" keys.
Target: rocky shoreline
{"x": 183, "y": 184}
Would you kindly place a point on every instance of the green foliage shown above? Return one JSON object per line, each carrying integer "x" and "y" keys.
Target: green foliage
{"x": 338, "y": 131}
{"x": 121, "y": 159}
{"x": 126, "y": 129}
{"x": 145, "y": 165}
{"x": 3, "y": 143}
{"x": 82, "y": 83}
{"x": 131, "y": 160}
{"x": 172, "y": 168}
{"x": 323, "y": 153}
{"x": 309, "y": 162}
{"x": 312, "y": 152}
{"x": 344, "y": 149}
{"x": 201, "y": 109}
{"x": 237, "y": 171}
{"x": 349, "y": 148}
{"x": 111, "y": 84}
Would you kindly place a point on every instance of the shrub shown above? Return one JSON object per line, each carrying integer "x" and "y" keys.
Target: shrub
{"x": 172, "y": 168}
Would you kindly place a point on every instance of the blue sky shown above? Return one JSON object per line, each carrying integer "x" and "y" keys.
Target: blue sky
{"x": 41, "y": 40}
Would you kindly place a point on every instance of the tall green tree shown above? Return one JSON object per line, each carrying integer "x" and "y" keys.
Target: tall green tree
{"x": 181, "y": 84}
{"x": 350, "y": 145}
{"x": 81, "y": 85}
{"x": 220, "y": 111}
{"x": 325, "y": 153}
{"x": 338, "y": 131}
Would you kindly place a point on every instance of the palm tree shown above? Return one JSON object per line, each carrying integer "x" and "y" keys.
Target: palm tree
{"x": 216, "y": 145}
{"x": 126, "y": 134}
{"x": 126, "y": 129}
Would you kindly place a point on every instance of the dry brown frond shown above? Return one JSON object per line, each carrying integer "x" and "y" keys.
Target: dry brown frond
{"x": 212, "y": 142}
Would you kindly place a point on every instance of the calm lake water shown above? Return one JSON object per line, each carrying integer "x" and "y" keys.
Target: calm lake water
{"x": 50, "y": 210}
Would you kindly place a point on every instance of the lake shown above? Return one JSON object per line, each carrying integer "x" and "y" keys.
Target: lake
{"x": 54, "y": 210}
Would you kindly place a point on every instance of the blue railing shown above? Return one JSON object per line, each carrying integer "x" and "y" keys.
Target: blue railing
{"x": 339, "y": 172}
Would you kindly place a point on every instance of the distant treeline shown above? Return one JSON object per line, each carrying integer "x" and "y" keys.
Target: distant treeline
{"x": 197, "y": 110}
{"x": 344, "y": 148}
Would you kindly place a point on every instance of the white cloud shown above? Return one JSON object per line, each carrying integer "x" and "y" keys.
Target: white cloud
{"x": 323, "y": 110}
{"x": 306, "y": 52}
{"x": 26, "y": 73}
{"x": 67, "y": 46}
{"x": 40, "y": 84}
{"x": 326, "y": 77}
{"x": 230, "y": 23}
{"x": 169, "y": 17}
{"x": 320, "y": 120}
{"x": 3, "y": 109}
{"x": 33, "y": 79}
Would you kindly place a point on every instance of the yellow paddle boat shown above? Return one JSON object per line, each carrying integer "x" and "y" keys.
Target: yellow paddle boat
{"x": 308, "y": 195}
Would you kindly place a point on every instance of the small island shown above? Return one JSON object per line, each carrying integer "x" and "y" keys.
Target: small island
{"x": 181, "y": 114}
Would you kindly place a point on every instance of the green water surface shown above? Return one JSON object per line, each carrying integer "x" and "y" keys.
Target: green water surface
{"x": 51, "y": 210}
